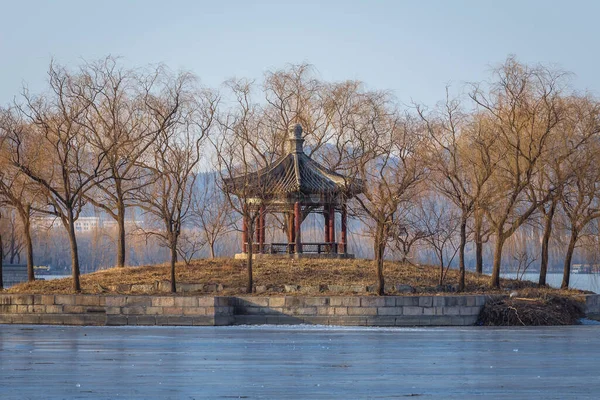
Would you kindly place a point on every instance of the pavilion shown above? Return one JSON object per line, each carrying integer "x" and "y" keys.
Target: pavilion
{"x": 295, "y": 185}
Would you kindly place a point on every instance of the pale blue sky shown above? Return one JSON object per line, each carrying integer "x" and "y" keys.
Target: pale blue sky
{"x": 411, "y": 47}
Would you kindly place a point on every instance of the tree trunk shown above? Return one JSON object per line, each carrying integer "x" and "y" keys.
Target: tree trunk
{"x": 463, "y": 243}
{"x": 173, "y": 262}
{"x": 249, "y": 253}
{"x": 441, "y": 256}
{"x": 545, "y": 242}
{"x": 495, "y": 279}
{"x": 379, "y": 248}
{"x": 568, "y": 258}
{"x": 28, "y": 247}
{"x": 212, "y": 250}
{"x": 121, "y": 235}
{"x": 478, "y": 244}
{"x": 1, "y": 262}
{"x": 74, "y": 251}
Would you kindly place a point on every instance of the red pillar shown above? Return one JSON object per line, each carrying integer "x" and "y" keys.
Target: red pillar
{"x": 343, "y": 239}
{"x": 244, "y": 234}
{"x": 326, "y": 218}
{"x": 298, "y": 223}
{"x": 261, "y": 230}
{"x": 291, "y": 230}
{"x": 332, "y": 225}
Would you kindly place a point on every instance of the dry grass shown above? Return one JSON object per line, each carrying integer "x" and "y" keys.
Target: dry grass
{"x": 273, "y": 274}
{"x": 534, "y": 307}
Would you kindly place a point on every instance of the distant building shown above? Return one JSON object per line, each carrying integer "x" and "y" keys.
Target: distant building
{"x": 82, "y": 225}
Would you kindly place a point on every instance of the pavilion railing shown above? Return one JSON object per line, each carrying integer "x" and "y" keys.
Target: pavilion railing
{"x": 290, "y": 248}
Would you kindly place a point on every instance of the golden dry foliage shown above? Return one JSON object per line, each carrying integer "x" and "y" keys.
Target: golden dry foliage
{"x": 270, "y": 273}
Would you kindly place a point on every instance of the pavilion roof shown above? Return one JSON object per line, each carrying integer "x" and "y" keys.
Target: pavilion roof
{"x": 294, "y": 173}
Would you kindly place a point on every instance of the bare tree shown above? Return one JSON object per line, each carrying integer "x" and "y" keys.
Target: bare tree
{"x": 442, "y": 223}
{"x": 211, "y": 212}
{"x": 461, "y": 161}
{"x": 117, "y": 126}
{"x": 183, "y": 115}
{"x": 581, "y": 201}
{"x": 387, "y": 156}
{"x": 524, "y": 108}
{"x": 49, "y": 144}
{"x": 240, "y": 152}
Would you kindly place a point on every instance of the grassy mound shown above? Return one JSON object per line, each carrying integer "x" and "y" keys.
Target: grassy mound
{"x": 534, "y": 307}
{"x": 273, "y": 274}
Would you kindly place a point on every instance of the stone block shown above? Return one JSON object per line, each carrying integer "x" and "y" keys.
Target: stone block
{"x": 348, "y": 321}
{"x": 338, "y": 288}
{"x": 480, "y": 300}
{"x": 64, "y": 299}
{"x": 163, "y": 286}
{"x": 206, "y": 321}
{"x": 316, "y": 301}
{"x": 358, "y": 288}
{"x": 325, "y": 310}
{"x": 45, "y": 299}
{"x": 257, "y": 301}
{"x": 22, "y": 299}
{"x": 309, "y": 289}
{"x": 276, "y": 301}
{"x": 115, "y": 301}
{"x": 123, "y": 288}
{"x": 152, "y": 310}
{"x": 172, "y": 310}
{"x": 291, "y": 288}
{"x": 345, "y": 301}
{"x": 470, "y": 301}
{"x": 250, "y": 319}
{"x": 451, "y": 301}
{"x": 162, "y": 320}
{"x": 340, "y": 310}
{"x": 186, "y": 302}
{"x": 190, "y": 287}
{"x": 439, "y": 301}
{"x": 469, "y": 310}
{"x": 381, "y": 321}
{"x": 133, "y": 310}
{"x": 414, "y": 320}
{"x": 292, "y": 301}
{"x": 451, "y": 310}
{"x": 304, "y": 311}
{"x": 5, "y": 299}
{"x": 219, "y": 320}
{"x": 22, "y": 309}
{"x": 372, "y": 301}
{"x": 146, "y": 320}
{"x": 425, "y": 301}
{"x": 404, "y": 289}
{"x": 260, "y": 289}
{"x": 83, "y": 300}
{"x": 412, "y": 310}
{"x": 286, "y": 320}
{"x": 219, "y": 310}
{"x": 429, "y": 310}
{"x": 180, "y": 321}
{"x": 407, "y": 301}
{"x": 163, "y": 302}
{"x": 316, "y": 320}
{"x": 206, "y": 301}
{"x": 54, "y": 309}
{"x": 142, "y": 288}
{"x": 140, "y": 301}
{"x": 38, "y": 308}
{"x": 113, "y": 310}
{"x": 389, "y": 311}
{"x": 362, "y": 310}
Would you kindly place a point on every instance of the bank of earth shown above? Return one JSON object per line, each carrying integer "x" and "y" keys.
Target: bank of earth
{"x": 515, "y": 303}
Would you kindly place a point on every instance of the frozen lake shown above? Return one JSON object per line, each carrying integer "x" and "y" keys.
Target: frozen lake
{"x": 46, "y": 362}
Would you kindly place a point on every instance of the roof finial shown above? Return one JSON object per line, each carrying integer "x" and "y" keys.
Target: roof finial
{"x": 296, "y": 139}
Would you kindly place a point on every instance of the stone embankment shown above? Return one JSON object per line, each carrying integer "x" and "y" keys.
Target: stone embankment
{"x": 210, "y": 311}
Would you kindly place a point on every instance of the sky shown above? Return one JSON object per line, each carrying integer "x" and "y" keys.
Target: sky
{"x": 412, "y": 48}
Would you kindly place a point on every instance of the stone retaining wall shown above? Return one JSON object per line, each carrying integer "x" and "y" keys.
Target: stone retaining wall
{"x": 592, "y": 306}
{"x": 208, "y": 310}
